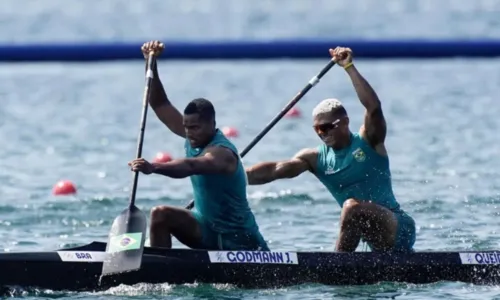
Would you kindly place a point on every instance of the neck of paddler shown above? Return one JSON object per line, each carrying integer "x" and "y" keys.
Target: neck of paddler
{"x": 209, "y": 138}
{"x": 342, "y": 143}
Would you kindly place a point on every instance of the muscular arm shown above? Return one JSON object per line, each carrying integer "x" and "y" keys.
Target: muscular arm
{"x": 265, "y": 172}
{"x": 374, "y": 128}
{"x": 162, "y": 107}
{"x": 216, "y": 160}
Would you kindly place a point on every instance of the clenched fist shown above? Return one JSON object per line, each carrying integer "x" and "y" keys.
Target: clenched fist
{"x": 155, "y": 47}
{"x": 342, "y": 56}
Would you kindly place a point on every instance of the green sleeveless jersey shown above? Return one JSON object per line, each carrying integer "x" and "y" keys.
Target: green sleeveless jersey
{"x": 356, "y": 171}
{"x": 221, "y": 199}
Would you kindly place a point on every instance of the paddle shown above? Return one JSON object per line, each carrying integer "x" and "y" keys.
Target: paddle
{"x": 278, "y": 117}
{"x": 128, "y": 232}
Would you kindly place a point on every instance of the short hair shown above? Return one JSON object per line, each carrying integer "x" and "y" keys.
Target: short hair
{"x": 329, "y": 106}
{"x": 202, "y": 107}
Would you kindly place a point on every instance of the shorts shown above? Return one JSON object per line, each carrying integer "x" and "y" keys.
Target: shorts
{"x": 406, "y": 233}
{"x": 243, "y": 240}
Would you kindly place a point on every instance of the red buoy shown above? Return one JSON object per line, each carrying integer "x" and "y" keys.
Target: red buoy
{"x": 162, "y": 157}
{"x": 293, "y": 113}
{"x": 64, "y": 187}
{"x": 230, "y": 132}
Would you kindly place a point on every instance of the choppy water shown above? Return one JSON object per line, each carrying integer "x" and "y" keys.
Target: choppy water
{"x": 80, "y": 122}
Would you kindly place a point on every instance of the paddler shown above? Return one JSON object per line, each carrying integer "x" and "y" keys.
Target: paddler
{"x": 221, "y": 218}
{"x": 354, "y": 168}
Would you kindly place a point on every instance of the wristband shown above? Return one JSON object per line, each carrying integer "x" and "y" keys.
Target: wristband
{"x": 348, "y": 65}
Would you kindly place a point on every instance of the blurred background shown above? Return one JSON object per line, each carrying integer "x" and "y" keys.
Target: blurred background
{"x": 79, "y": 121}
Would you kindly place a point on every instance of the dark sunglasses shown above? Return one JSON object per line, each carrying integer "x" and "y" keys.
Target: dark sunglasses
{"x": 324, "y": 128}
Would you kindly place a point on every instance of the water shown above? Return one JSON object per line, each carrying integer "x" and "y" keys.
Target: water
{"x": 80, "y": 122}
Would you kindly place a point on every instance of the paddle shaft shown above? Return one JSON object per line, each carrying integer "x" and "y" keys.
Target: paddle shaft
{"x": 279, "y": 116}
{"x": 149, "y": 79}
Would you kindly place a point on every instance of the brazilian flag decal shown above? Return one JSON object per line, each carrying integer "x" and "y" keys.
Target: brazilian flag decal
{"x": 124, "y": 242}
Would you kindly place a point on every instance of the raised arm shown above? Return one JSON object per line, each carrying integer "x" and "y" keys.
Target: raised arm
{"x": 374, "y": 128}
{"x": 216, "y": 160}
{"x": 163, "y": 108}
{"x": 304, "y": 160}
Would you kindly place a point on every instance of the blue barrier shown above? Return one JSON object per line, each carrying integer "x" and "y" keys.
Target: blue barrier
{"x": 297, "y": 49}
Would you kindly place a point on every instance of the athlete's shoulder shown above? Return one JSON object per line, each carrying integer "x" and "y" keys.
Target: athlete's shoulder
{"x": 308, "y": 156}
{"x": 220, "y": 151}
{"x": 307, "y": 153}
{"x": 221, "y": 157}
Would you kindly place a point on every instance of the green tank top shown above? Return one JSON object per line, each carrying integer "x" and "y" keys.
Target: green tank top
{"x": 221, "y": 199}
{"x": 358, "y": 172}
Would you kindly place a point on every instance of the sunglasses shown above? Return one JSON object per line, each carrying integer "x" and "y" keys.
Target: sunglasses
{"x": 325, "y": 127}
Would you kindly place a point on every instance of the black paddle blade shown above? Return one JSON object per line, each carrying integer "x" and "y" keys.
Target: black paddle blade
{"x": 126, "y": 242}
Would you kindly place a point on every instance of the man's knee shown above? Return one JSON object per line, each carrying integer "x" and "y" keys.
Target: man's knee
{"x": 366, "y": 213}
{"x": 162, "y": 214}
{"x": 173, "y": 218}
{"x": 351, "y": 209}
{"x": 351, "y": 214}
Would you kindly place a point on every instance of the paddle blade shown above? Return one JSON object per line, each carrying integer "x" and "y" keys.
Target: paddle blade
{"x": 126, "y": 242}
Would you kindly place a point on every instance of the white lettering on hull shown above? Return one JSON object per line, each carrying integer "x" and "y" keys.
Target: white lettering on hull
{"x": 480, "y": 258}
{"x": 253, "y": 257}
{"x": 82, "y": 256}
